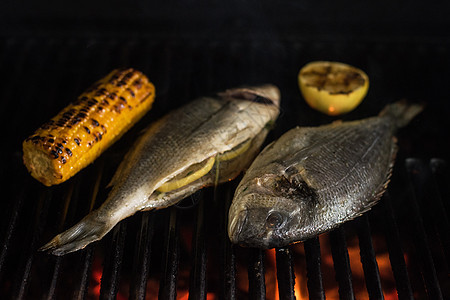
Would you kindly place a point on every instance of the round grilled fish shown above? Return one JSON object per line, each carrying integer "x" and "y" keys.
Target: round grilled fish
{"x": 314, "y": 178}
{"x": 212, "y": 138}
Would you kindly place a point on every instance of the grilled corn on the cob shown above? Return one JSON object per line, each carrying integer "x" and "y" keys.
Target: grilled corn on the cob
{"x": 84, "y": 129}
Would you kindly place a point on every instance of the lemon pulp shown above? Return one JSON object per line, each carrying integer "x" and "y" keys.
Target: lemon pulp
{"x": 331, "y": 87}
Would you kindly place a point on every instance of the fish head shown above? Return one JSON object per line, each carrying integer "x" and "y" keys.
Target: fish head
{"x": 271, "y": 211}
{"x": 262, "y": 102}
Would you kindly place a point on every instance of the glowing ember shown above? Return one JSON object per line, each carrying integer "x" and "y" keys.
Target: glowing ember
{"x": 271, "y": 275}
{"x": 330, "y": 284}
{"x": 96, "y": 277}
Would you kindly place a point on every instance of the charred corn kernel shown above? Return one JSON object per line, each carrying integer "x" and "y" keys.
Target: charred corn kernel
{"x": 84, "y": 129}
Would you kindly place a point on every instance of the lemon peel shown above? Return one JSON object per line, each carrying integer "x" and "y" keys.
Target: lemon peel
{"x": 332, "y": 88}
{"x": 176, "y": 184}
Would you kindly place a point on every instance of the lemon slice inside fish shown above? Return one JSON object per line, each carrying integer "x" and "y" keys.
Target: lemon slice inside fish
{"x": 332, "y": 88}
{"x": 176, "y": 184}
{"x": 233, "y": 153}
{"x": 192, "y": 176}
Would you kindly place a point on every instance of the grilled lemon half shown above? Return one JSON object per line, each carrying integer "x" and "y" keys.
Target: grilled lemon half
{"x": 332, "y": 88}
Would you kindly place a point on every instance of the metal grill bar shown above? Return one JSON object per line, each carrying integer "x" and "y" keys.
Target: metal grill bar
{"x": 80, "y": 292}
{"x": 439, "y": 170}
{"x": 368, "y": 259}
{"x": 142, "y": 255}
{"x": 341, "y": 263}
{"x": 197, "y": 284}
{"x": 113, "y": 263}
{"x": 168, "y": 282}
{"x": 256, "y": 271}
{"x": 14, "y": 213}
{"x": 84, "y": 60}
{"x": 23, "y": 275}
{"x": 285, "y": 273}
{"x": 227, "y": 256}
{"x": 58, "y": 260}
{"x": 34, "y": 229}
{"x": 57, "y": 87}
{"x": 395, "y": 250}
{"x": 81, "y": 289}
{"x": 314, "y": 273}
{"x": 417, "y": 176}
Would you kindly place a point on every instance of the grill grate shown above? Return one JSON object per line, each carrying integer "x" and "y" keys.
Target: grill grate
{"x": 183, "y": 252}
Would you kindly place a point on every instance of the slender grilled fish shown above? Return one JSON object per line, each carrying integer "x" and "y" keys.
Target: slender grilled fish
{"x": 314, "y": 178}
{"x": 208, "y": 141}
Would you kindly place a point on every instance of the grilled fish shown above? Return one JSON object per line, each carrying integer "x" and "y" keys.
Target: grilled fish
{"x": 208, "y": 141}
{"x": 314, "y": 178}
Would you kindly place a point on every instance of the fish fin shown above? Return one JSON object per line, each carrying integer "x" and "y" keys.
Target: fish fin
{"x": 402, "y": 112}
{"x": 115, "y": 178}
{"x": 383, "y": 187}
{"x": 373, "y": 200}
{"x": 88, "y": 230}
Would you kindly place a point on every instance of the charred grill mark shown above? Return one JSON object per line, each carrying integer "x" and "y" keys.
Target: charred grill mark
{"x": 54, "y": 154}
{"x": 137, "y": 83}
{"x": 343, "y": 78}
{"x": 118, "y": 108}
{"x": 75, "y": 121}
{"x": 101, "y": 92}
{"x": 91, "y": 102}
{"x": 121, "y": 83}
{"x": 112, "y": 96}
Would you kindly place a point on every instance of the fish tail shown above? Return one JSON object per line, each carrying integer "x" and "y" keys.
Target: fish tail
{"x": 402, "y": 112}
{"x": 90, "y": 229}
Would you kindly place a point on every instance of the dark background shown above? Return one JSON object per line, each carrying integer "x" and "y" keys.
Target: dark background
{"x": 319, "y": 19}
{"x": 402, "y": 45}
{"x": 50, "y": 51}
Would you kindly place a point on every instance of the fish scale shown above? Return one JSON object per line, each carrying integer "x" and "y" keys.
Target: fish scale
{"x": 184, "y": 139}
{"x": 347, "y": 166}
{"x": 329, "y": 175}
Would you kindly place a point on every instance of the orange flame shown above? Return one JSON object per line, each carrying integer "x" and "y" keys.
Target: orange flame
{"x": 299, "y": 260}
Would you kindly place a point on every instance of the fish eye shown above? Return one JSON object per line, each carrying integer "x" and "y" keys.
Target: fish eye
{"x": 274, "y": 219}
